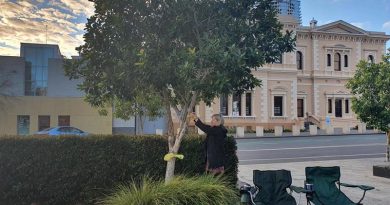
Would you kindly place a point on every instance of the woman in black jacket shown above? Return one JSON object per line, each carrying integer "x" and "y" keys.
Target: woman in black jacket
{"x": 214, "y": 143}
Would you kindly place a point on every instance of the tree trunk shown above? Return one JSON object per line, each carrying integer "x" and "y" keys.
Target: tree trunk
{"x": 141, "y": 123}
{"x": 388, "y": 146}
{"x": 174, "y": 141}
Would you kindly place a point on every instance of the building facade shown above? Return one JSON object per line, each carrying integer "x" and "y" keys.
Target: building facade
{"x": 308, "y": 84}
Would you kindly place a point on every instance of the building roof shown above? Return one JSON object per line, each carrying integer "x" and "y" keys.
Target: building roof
{"x": 342, "y": 27}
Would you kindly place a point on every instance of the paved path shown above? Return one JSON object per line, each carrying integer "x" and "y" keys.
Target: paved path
{"x": 355, "y": 171}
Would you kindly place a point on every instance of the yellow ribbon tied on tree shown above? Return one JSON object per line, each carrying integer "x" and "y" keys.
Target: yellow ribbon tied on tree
{"x": 169, "y": 156}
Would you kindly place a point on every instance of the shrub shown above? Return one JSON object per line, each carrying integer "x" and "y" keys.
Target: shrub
{"x": 71, "y": 170}
{"x": 205, "y": 190}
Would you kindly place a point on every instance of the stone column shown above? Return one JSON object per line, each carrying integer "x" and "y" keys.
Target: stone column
{"x": 243, "y": 105}
{"x": 296, "y": 130}
{"x": 313, "y": 129}
{"x": 230, "y": 105}
{"x": 259, "y": 131}
{"x": 278, "y": 130}
{"x": 361, "y": 127}
{"x": 240, "y": 132}
{"x": 329, "y": 129}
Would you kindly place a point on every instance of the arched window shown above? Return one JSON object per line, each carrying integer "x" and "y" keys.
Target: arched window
{"x": 345, "y": 61}
{"x": 337, "y": 62}
{"x": 371, "y": 59}
{"x": 299, "y": 60}
{"x": 329, "y": 60}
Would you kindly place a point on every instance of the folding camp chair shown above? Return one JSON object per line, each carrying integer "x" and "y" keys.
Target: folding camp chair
{"x": 270, "y": 188}
{"x": 325, "y": 183}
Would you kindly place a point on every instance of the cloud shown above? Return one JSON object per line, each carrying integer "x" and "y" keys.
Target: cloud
{"x": 386, "y": 25}
{"x": 29, "y": 21}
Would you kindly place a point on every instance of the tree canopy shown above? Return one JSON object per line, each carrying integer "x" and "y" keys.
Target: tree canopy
{"x": 185, "y": 51}
{"x": 371, "y": 87}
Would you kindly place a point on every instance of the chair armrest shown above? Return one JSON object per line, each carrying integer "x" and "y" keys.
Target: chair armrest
{"x": 362, "y": 187}
{"x": 299, "y": 189}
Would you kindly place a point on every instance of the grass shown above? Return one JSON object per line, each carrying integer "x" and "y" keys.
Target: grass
{"x": 200, "y": 190}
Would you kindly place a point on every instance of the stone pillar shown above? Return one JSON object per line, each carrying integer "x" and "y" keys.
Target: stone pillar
{"x": 329, "y": 130}
{"x": 240, "y": 132}
{"x": 159, "y": 132}
{"x": 230, "y": 105}
{"x": 278, "y": 130}
{"x": 243, "y": 105}
{"x": 346, "y": 129}
{"x": 313, "y": 129}
{"x": 361, "y": 127}
{"x": 334, "y": 107}
{"x": 296, "y": 130}
{"x": 259, "y": 131}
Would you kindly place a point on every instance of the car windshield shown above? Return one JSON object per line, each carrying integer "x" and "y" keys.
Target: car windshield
{"x": 47, "y": 129}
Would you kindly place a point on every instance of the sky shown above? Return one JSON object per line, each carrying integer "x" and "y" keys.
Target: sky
{"x": 26, "y": 20}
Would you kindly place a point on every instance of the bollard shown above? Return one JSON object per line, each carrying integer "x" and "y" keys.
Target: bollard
{"x": 346, "y": 129}
{"x": 361, "y": 127}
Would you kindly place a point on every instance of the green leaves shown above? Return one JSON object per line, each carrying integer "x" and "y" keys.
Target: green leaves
{"x": 203, "y": 46}
{"x": 371, "y": 86}
{"x": 72, "y": 170}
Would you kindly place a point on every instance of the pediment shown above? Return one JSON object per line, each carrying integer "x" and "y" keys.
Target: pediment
{"x": 341, "y": 27}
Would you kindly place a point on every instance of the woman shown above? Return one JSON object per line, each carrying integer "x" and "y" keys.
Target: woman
{"x": 214, "y": 143}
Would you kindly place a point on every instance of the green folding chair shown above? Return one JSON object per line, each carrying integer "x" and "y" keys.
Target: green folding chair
{"x": 270, "y": 188}
{"x": 324, "y": 187}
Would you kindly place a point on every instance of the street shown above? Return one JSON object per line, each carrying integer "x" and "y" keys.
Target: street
{"x": 316, "y": 148}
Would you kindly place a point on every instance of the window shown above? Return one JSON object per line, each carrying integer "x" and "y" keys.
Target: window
{"x": 346, "y": 106}
{"x": 329, "y": 60}
{"x": 248, "y": 104}
{"x": 278, "y": 105}
{"x": 23, "y": 125}
{"x": 337, "y": 62}
{"x": 338, "y": 108}
{"x": 224, "y": 105}
{"x": 371, "y": 59}
{"x": 300, "y": 108}
{"x": 330, "y": 106}
{"x": 64, "y": 120}
{"x": 345, "y": 61}
{"x": 43, "y": 122}
{"x": 237, "y": 105}
{"x": 299, "y": 60}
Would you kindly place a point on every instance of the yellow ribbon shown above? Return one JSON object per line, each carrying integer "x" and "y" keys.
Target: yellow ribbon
{"x": 169, "y": 156}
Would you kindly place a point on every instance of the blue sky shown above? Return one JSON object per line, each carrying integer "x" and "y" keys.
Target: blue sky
{"x": 371, "y": 15}
{"x": 26, "y": 20}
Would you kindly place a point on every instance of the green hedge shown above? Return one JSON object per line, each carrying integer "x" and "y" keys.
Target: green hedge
{"x": 74, "y": 170}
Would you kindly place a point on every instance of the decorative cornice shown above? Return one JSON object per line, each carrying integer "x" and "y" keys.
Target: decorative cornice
{"x": 343, "y": 37}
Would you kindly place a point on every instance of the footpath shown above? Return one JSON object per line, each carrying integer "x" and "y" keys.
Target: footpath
{"x": 354, "y": 171}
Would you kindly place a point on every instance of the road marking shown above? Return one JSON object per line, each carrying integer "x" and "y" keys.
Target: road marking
{"x": 352, "y": 155}
{"x": 319, "y": 147}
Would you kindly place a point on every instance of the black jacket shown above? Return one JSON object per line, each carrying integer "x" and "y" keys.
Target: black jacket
{"x": 214, "y": 143}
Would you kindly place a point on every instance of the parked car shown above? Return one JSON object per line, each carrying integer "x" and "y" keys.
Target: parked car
{"x": 62, "y": 130}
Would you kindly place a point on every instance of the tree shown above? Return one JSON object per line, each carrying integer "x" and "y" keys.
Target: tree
{"x": 187, "y": 51}
{"x": 144, "y": 104}
{"x": 371, "y": 87}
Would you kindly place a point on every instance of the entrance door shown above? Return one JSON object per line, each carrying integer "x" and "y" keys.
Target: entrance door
{"x": 339, "y": 108}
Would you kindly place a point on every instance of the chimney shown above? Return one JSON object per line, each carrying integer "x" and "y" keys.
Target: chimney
{"x": 313, "y": 23}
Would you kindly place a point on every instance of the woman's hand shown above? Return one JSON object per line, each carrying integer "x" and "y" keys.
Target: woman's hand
{"x": 193, "y": 116}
